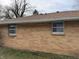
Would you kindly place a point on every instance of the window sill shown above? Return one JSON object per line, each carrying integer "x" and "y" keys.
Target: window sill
{"x": 58, "y": 33}
{"x": 12, "y": 35}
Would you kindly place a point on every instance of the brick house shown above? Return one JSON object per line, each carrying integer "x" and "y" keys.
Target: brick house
{"x": 53, "y": 32}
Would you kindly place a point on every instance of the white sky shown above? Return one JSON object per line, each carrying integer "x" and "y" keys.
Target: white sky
{"x": 48, "y": 5}
{"x": 5, "y": 2}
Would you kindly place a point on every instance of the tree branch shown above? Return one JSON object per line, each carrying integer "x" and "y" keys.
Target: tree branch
{"x": 23, "y": 10}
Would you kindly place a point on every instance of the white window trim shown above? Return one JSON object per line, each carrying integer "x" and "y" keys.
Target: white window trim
{"x": 58, "y": 33}
{"x": 11, "y": 34}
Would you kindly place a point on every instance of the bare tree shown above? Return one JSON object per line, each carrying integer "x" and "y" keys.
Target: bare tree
{"x": 1, "y": 11}
{"x": 18, "y": 9}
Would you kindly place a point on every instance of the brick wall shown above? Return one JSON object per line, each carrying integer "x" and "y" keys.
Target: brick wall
{"x": 39, "y": 37}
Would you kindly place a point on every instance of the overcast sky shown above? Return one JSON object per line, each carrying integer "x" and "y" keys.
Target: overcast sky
{"x": 50, "y": 5}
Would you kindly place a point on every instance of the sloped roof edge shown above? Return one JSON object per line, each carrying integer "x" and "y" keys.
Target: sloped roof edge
{"x": 65, "y": 16}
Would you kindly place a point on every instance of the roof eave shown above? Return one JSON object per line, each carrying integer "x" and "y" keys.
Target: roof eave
{"x": 38, "y": 20}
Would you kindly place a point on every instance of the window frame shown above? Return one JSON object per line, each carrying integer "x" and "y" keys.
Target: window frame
{"x": 10, "y": 28}
{"x": 58, "y": 33}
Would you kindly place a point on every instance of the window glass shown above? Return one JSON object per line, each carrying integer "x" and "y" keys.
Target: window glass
{"x": 58, "y": 26}
{"x": 12, "y": 29}
{"x": 57, "y": 29}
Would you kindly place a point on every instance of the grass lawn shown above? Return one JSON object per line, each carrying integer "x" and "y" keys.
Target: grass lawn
{"x": 6, "y": 53}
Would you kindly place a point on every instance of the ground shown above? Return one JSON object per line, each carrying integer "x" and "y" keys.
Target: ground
{"x": 7, "y": 53}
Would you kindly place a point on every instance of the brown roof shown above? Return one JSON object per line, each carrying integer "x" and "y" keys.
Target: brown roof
{"x": 66, "y": 16}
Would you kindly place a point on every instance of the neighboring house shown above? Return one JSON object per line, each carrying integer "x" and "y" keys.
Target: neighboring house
{"x": 53, "y": 32}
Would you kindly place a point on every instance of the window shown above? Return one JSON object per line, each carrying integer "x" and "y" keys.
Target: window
{"x": 58, "y": 27}
{"x": 12, "y": 29}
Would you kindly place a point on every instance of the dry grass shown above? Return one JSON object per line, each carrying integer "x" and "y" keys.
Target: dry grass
{"x": 6, "y": 53}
